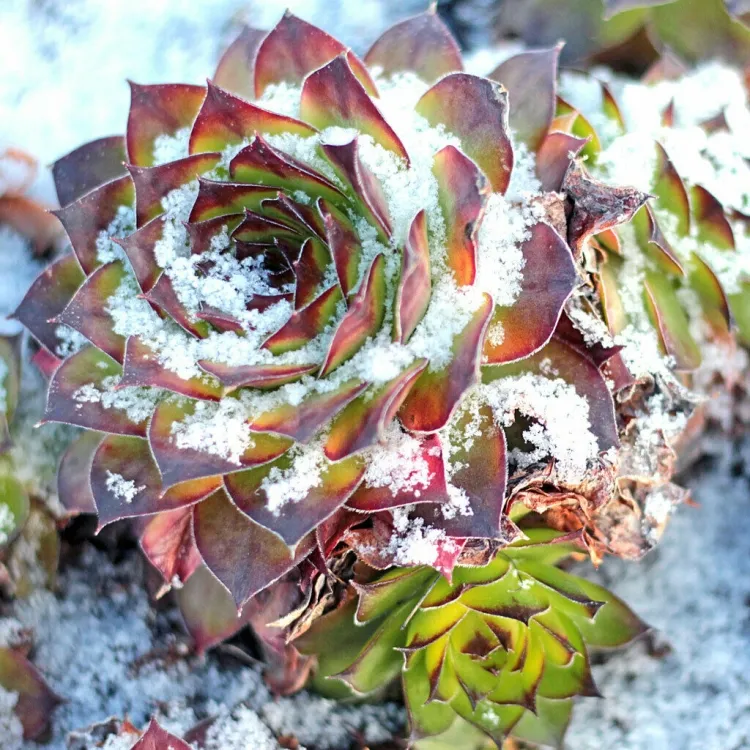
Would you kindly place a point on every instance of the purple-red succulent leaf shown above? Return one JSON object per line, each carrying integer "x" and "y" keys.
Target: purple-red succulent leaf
{"x": 434, "y": 396}
{"x": 549, "y": 277}
{"x": 362, "y": 320}
{"x": 80, "y": 390}
{"x": 73, "y": 474}
{"x": 302, "y": 421}
{"x": 208, "y": 610}
{"x": 143, "y": 368}
{"x": 87, "y": 312}
{"x": 372, "y": 497}
{"x": 244, "y": 557}
{"x": 226, "y": 120}
{"x": 156, "y": 738}
{"x": 670, "y": 192}
{"x": 47, "y": 297}
{"x": 180, "y": 461}
{"x": 219, "y": 199}
{"x": 575, "y": 368}
{"x": 364, "y": 185}
{"x": 415, "y": 285}
{"x": 294, "y": 48}
{"x": 152, "y": 184}
{"x": 91, "y": 214}
{"x": 125, "y": 481}
{"x": 35, "y": 701}
{"x": 306, "y": 323}
{"x": 88, "y": 167}
{"x": 310, "y": 269}
{"x": 164, "y": 297}
{"x": 344, "y": 244}
{"x": 256, "y": 376}
{"x": 481, "y": 480}
{"x": 259, "y": 163}
{"x": 530, "y": 79}
{"x": 475, "y": 110}
{"x": 364, "y": 421}
{"x": 159, "y": 110}
{"x": 554, "y": 158}
{"x": 139, "y": 249}
{"x": 463, "y": 190}
{"x": 235, "y": 72}
{"x": 291, "y": 518}
{"x": 711, "y": 221}
{"x": 422, "y": 44}
{"x": 168, "y": 543}
{"x": 333, "y": 97}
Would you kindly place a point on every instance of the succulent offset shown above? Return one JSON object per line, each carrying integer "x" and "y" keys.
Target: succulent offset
{"x": 386, "y": 307}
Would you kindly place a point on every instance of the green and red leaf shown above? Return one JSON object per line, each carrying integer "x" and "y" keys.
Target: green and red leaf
{"x": 154, "y": 183}
{"x": 669, "y": 189}
{"x": 85, "y": 218}
{"x": 361, "y": 321}
{"x": 549, "y": 277}
{"x": 88, "y": 167}
{"x": 73, "y": 483}
{"x": 236, "y": 69}
{"x": 180, "y": 464}
{"x": 332, "y": 96}
{"x": 227, "y": 539}
{"x": 302, "y": 421}
{"x": 226, "y": 120}
{"x": 160, "y": 109}
{"x": 462, "y": 192}
{"x": 255, "y": 376}
{"x": 422, "y": 44}
{"x": 297, "y": 517}
{"x": 415, "y": 285}
{"x": 47, "y": 297}
{"x": 476, "y": 111}
{"x": 294, "y": 48}
{"x": 168, "y": 543}
{"x": 126, "y": 482}
{"x": 434, "y": 396}
{"x": 365, "y": 420}
{"x": 88, "y": 312}
{"x": 530, "y": 79}
{"x": 72, "y": 399}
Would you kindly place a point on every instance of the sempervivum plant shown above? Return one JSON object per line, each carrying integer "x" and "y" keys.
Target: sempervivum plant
{"x": 339, "y": 305}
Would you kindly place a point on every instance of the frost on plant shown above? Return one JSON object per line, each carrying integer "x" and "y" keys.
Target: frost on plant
{"x": 387, "y": 307}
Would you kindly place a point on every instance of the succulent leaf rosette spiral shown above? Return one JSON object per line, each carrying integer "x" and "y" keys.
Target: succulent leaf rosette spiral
{"x": 382, "y": 306}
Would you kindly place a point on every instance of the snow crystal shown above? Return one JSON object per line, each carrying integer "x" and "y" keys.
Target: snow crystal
{"x": 121, "y": 226}
{"x": 122, "y": 488}
{"x": 561, "y": 429}
{"x": 138, "y": 403}
{"x": 293, "y": 484}
{"x": 69, "y": 340}
{"x": 397, "y": 463}
{"x": 171, "y": 147}
{"x": 414, "y": 542}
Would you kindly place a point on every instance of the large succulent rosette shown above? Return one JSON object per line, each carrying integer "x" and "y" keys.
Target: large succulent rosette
{"x": 307, "y": 308}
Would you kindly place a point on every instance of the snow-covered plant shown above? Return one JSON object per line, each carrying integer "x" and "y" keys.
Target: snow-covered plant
{"x": 382, "y": 306}
{"x": 503, "y": 647}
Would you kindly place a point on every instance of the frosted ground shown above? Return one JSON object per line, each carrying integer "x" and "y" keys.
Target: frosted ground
{"x": 64, "y": 68}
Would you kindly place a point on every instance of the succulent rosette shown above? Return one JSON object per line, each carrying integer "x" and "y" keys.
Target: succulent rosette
{"x": 503, "y": 647}
{"x": 384, "y": 306}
